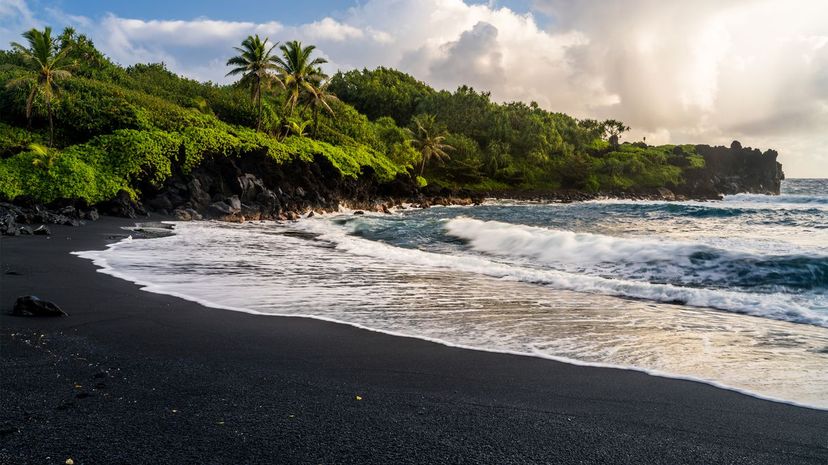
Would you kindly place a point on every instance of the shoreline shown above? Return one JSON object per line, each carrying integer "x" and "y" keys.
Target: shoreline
{"x": 104, "y": 268}
{"x": 421, "y": 399}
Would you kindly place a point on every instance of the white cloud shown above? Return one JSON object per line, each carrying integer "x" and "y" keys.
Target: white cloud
{"x": 15, "y": 17}
{"x": 702, "y": 71}
{"x": 754, "y": 70}
{"x": 330, "y": 29}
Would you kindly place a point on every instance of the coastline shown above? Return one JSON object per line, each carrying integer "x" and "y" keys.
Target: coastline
{"x": 153, "y": 230}
{"x": 289, "y": 387}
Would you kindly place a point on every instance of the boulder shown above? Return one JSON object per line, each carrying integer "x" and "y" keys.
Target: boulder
{"x": 194, "y": 215}
{"x": 666, "y": 194}
{"x": 198, "y": 196}
{"x": 8, "y": 225}
{"x": 251, "y": 186}
{"x": 161, "y": 202}
{"x": 123, "y": 205}
{"x": 92, "y": 215}
{"x": 69, "y": 211}
{"x": 235, "y": 203}
{"x": 41, "y": 230}
{"x": 182, "y": 215}
{"x": 30, "y": 305}
{"x": 220, "y": 209}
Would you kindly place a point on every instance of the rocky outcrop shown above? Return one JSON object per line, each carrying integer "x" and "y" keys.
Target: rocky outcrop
{"x": 256, "y": 188}
{"x": 733, "y": 170}
{"x": 18, "y": 218}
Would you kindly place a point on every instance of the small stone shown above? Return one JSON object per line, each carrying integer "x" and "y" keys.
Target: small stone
{"x": 42, "y": 230}
{"x": 359, "y": 212}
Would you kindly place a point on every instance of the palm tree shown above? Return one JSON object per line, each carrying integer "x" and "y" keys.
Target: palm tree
{"x": 300, "y": 74}
{"x": 48, "y": 64}
{"x": 255, "y": 64}
{"x": 428, "y": 138}
{"x": 317, "y": 99}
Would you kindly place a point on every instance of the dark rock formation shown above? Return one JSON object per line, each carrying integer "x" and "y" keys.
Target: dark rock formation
{"x": 733, "y": 170}
{"x": 30, "y": 305}
{"x": 255, "y": 188}
{"x": 123, "y": 205}
{"x": 15, "y": 218}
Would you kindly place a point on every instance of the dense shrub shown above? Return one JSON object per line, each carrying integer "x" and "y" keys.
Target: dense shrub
{"x": 15, "y": 140}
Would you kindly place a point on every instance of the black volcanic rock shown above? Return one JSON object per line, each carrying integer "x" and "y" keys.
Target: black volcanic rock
{"x": 733, "y": 170}
{"x": 30, "y": 305}
{"x": 123, "y": 205}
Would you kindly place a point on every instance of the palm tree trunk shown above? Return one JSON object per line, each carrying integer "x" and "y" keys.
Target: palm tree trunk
{"x": 51, "y": 124}
{"x": 259, "y": 113}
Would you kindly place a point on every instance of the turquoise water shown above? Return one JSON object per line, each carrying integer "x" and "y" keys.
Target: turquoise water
{"x": 730, "y": 292}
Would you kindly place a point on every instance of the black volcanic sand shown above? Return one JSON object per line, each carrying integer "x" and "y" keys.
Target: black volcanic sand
{"x": 133, "y": 377}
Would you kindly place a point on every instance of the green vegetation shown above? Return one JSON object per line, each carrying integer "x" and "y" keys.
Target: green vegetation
{"x": 254, "y": 63}
{"x": 47, "y": 64}
{"x": 513, "y": 145}
{"x": 103, "y": 128}
{"x": 429, "y": 139}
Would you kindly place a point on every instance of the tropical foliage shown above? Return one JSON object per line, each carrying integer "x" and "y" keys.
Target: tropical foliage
{"x": 114, "y": 128}
{"x": 429, "y": 139}
{"x": 47, "y": 65}
{"x": 254, "y": 63}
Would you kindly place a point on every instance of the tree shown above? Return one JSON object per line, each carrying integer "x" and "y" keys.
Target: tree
{"x": 317, "y": 99}
{"x": 381, "y": 92}
{"x": 301, "y": 75}
{"x": 48, "y": 64}
{"x": 429, "y": 139}
{"x": 613, "y": 128}
{"x": 255, "y": 64}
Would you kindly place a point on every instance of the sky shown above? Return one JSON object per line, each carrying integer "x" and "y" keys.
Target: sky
{"x": 700, "y": 71}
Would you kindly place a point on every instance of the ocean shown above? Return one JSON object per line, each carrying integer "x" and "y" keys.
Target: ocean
{"x": 731, "y": 292}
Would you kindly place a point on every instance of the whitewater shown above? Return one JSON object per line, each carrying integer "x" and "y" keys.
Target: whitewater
{"x": 730, "y": 292}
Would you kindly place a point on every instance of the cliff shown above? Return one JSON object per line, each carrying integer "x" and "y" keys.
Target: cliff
{"x": 733, "y": 170}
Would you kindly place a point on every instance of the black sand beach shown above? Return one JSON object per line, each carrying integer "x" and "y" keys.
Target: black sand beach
{"x": 132, "y": 377}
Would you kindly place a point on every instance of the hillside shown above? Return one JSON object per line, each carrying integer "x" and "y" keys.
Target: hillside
{"x": 142, "y": 133}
